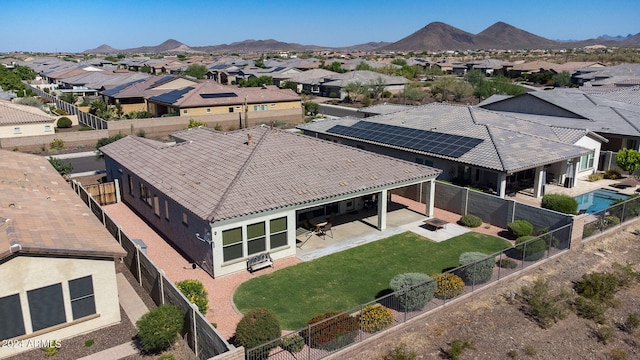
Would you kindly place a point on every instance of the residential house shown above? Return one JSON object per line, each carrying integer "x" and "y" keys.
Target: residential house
{"x": 499, "y": 153}
{"x": 132, "y": 95}
{"x": 308, "y": 81}
{"x": 623, "y": 75}
{"x": 333, "y": 85}
{"x": 223, "y": 197}
{"x": 22, "y": 120}
{"x": 210, "y": 98}
{"x": 616, "y": 121}
{"x": 57, "y": 262}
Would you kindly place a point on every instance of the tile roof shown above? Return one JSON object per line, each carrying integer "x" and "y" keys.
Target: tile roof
{"x": 583, "y": 111}
{"x": 509, "y": 144}
{"x": 44, "y": 215}
{"x": 220, "y": 176}
{"x": 210, "y": 93}
{"x": 14, "y": 114}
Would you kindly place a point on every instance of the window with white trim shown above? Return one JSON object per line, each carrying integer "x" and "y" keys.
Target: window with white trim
{"x": 82, "y": 297}
{"x": 232, "y": 244}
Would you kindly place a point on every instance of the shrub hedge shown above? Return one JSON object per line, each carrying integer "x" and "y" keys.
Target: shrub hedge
{"x": 611, "y": 174}
{"x": 560, "y": 203}
{"x": 532, "y": 250}
{"x": 195, "y": 292}
{"x": 520, "y": 228}
{"x": 293, "y": 343}
{"x": 413, "y": 290}
{"x": 158, "y": 329}
{"x": 479, "y": 267}
{"x": 470, "y": 220}
{"x": 449, "y": 286}
{"x": 257, "y": 327}
{"x": 338, "y": 331}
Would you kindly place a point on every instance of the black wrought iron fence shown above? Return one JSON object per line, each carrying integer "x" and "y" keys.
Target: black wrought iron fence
{"x": 325, "y": 337}
{"x": 614, "y": 215}
{"x": 84, "y": 118}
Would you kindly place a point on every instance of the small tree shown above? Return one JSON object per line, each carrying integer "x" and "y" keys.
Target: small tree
{"x": 64, "y": 122}
{"x": 628, "y": 160}
{"x": 198, "y": 71}
{"x": 62, "y": 167}
{"x": 257, "y": 327}
{"x": 193, "y": 123}
{"x": 56, "y": 144}
{"x": 311, "y": 108}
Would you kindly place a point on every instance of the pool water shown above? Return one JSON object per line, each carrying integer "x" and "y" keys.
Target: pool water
{"x": 597, "y": 200}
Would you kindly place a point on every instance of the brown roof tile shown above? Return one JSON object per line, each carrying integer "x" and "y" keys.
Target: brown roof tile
{"x": 219, "y": 175}
{"x": 40, "y": 212}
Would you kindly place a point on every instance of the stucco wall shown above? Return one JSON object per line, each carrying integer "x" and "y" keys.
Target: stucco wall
{"x": 24, "y": 273}
{"x": 238, "y": 108}
{"x": 8, "y": 131}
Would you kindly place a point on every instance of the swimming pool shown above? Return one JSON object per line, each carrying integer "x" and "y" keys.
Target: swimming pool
{"x": 597, "y": 200}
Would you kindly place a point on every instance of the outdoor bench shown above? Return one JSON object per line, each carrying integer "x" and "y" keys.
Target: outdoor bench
{"x": 258, "y": 262}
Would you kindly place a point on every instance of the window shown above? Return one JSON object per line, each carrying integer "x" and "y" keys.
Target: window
{"x": 278, "y": 230}
{"x": 256, "y": 240}
{"x": 166, "y": 210}
{"x": 256, "y": 107}
{"x": 185, "y": 111}
{"x": 47, "y": 128}
{"x": 12, "y": 323}
{"x": 586, "y": 161}
{"x": 145, "y": 193}
{"x": 419, "y": 161}
{"x": 264, "y": 107}
{"x": 82, "y": 299}
{"x": 156, "y": 205}
{"x": 46, "y": 307}
{"x": 231, "y": 109}
{"x": 16, "y": 130}
{"x": 232, "y": 244}
{"x": 208, "y": 110}
{"x": 130, "y": 184}
{"x": 185, "y": 219}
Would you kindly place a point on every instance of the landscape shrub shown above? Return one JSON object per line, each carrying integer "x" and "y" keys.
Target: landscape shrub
{"x": 631, "y": 324}
{"x": 541, "y": 305}
{"x": 293, "y": 343}
{"x": 597, "y": 286}
{"x": 520, "y": 228}
{"x": 158, "y": 329}
{"x": 375, "y": 318}
{"x": 560, "y": 203}
{"x": 257, "y": 327}
{"x": 595, "y": 177}
{"x": 56, "y": 144}
{"x": 611, "y": 175}
{"x": 478, "y": 269}
{"x": 470, "y": 220}
{"x": 64, "y": 123}
{"x": 604, "y": 334}
{"x": 195, "y": 292}
{"x": 413, "y": 290}
{"x": 610, "y": 221}
{"x": 507, "y": 264}
{"x": 108, "y": 140}
{"x": 532, "y": 250}
{"x": 401, "y": 352}
{"x": 548, "y": 237}
{"x": 590, "y": 309}
{"x": 338, "y": 331}
{"x": 625, "y": 274}
{"x": 448, "y": 286}
{"x": 458, "y": 346}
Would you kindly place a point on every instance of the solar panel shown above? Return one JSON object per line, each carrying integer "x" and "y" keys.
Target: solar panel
{"x": 163, "y": 79}
{"x": 218, "y": 95}
{"x": 416, "y": 139}
{"x": 119, "y": 88}
{"x": 171, "y": 96}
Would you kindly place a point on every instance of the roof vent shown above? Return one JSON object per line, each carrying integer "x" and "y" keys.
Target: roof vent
{"x": 249, "y": 139}
{"x": 15, "y": 248}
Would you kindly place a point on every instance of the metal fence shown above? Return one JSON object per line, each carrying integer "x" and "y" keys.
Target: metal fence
{"x": 330, "y": 335}
{"x": 202, "y": 337}
{"x": 602, "y": 220}
{"x": 84, "y": 118}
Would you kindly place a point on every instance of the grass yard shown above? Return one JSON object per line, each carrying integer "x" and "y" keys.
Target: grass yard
{"x": 343, "y": 280}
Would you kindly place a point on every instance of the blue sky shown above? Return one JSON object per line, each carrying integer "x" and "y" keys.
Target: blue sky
{"x": 75, "y": 26}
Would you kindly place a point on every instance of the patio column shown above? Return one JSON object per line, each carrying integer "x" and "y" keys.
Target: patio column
{"x": 382, "y": 210}
{"x": 432, "y": 195}
{"x": 502, "y": 184}
{"x": 538, "y": 181}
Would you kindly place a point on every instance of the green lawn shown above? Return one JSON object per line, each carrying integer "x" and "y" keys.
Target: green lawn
{"x": 346, "y": 279}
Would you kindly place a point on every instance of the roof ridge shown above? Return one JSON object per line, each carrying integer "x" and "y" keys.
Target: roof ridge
{"x": 239, "y": 173}
{"x": 493, "y": 142}
{"x": 615, "y": 110}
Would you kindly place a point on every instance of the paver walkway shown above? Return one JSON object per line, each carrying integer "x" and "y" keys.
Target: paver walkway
{"x": 134, "y": 307}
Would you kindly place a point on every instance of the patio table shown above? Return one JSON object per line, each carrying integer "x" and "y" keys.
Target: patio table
{"x": 436, "y": 223}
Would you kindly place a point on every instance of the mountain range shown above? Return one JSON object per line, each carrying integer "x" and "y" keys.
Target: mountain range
{"x": 436, "y": 36}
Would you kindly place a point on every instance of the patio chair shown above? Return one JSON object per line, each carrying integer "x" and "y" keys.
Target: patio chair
{"x": 326, "y": 230}
{"x": 307, "y": 231}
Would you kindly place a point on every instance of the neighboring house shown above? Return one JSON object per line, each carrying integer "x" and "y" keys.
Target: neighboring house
{"x": 22, "y": 120}
{"x": 224, "y": 74}
{"x": 623, "y": 75}
{"x": 210, "y": 98}
{"x": 617, "y": 121}
{"x": 132, "y": 95}
{"x": 333, "y": 86}
{"x": 222, "y": 198}
{"x": 57, "y": 262}
{"x": 499, "y": 153}
{"x": 277, "y": 74}
{"x": 309, "y": 81}
{"x": 489, "y": 66}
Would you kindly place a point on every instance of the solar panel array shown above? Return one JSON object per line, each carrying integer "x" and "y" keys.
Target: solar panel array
{"x": 172, "y": 96}
{"x": 119, "y": 88}
{"x": 416, "y": 139}
{"x": 218, "y": 95}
